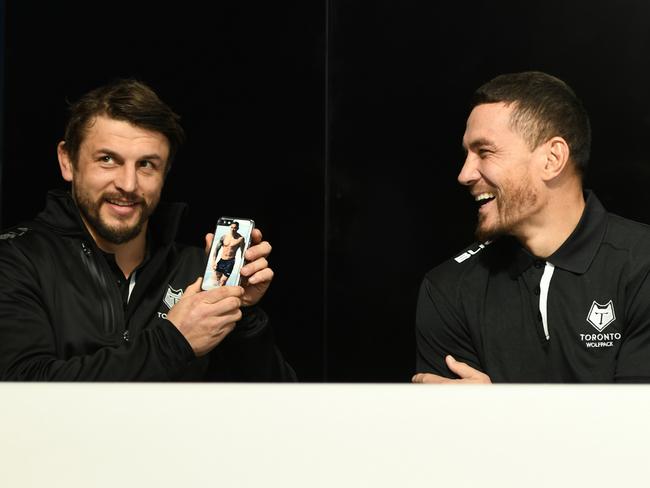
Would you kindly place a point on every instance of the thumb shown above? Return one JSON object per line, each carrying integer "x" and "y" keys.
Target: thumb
{"x": 194, "y": 288}
{"x": 461, "y": 369}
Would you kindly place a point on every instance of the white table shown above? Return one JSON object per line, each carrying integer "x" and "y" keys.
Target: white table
{"x": 323, "y": 435}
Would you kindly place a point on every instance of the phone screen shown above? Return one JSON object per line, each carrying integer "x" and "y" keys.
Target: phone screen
{"x": 231, "y": 239}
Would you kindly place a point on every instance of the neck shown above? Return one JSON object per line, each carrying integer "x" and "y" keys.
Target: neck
{"x": 131, "y": 254}
{"x": 552, "y": 226}
{"x": 128, "y": 255}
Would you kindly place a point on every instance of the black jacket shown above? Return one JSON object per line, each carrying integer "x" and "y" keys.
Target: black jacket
{"x": 62, "y": 316}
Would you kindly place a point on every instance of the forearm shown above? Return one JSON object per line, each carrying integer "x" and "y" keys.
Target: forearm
{"x": 157, "y": 354}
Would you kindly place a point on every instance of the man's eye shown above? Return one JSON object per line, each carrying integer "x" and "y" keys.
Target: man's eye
{"x": 147, "y": 164}
{"x": 106, "y": 159}
{"x": 483, "y": 153}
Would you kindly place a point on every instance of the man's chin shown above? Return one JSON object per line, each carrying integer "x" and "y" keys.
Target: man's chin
{"x": 118, "y": 231}
{"x": 120, "y": 235}
{"x": 485, "y": 233}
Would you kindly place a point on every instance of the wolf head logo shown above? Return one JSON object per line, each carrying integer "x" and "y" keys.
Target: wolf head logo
{"x": 172, "y": 297}
{"x": 600, "y": 316}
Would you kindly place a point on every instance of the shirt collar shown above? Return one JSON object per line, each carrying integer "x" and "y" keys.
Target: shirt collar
{"x": 580, "y": 248}
{"x": 112, "y": 263}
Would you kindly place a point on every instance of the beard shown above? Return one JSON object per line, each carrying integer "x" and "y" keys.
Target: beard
{"x": 514, "y": 203}
{"x": 115, "y": 234}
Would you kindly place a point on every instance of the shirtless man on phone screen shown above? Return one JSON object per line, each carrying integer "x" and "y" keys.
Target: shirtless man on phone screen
{"x": 229, "y": 244}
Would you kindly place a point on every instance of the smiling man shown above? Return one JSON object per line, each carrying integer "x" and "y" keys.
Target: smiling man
{"x": 96, "y": 289}
{"x": 555, "y": 289}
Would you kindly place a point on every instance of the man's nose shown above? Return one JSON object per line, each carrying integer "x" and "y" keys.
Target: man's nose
{"x": 469, "y": 173}
{"x": 127, "y": 178}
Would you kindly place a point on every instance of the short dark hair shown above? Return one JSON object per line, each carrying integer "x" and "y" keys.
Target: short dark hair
{"x": 124, "y": 99}
{"x": 545, "y": 107}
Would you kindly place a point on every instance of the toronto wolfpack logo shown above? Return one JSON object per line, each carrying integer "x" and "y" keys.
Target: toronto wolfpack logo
{"x": 172, "y": 297}
{"x": 600, "y": 316}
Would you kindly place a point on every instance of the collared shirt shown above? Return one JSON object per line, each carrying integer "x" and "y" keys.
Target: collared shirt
{"x": 127, "y": 283}
{"x": 581, "y": 315}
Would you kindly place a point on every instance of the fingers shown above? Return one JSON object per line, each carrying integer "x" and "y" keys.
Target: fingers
{"x": 466, "y": 372}
{"x": 263, "y": 276}
{"x": 461, "y": 369}
{"x": 224, "y": 324}
{"x": 194, "y": 288}
{"x": 223, "y": 307}
{"x": 256, "y": 236}
{"x": 253, "y": 267}
{"x": 209, "y": 237}
{"x": 216, "y": 295}
{"x": 428, "y": 378}
{"x": 257, "y": 269}
{"x": 260, "y": 250}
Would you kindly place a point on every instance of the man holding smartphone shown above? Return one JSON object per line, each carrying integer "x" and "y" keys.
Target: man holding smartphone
{"x": 555, "y": 289}
{"x": 96, "y": 289}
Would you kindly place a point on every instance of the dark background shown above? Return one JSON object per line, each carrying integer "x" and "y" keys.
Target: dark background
{"x": 342, "y": 119}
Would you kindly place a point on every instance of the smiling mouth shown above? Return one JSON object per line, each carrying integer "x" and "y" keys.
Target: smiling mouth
{"x": 122, "y": 203}
{"x": 122, "y": 208}
{"x": 483, "y": 198}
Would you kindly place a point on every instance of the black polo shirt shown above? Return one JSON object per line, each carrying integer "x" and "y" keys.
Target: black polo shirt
{"x": 582, "y": 315}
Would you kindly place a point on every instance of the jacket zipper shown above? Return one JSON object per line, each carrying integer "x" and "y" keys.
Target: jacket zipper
{"x": 113, "y": 316}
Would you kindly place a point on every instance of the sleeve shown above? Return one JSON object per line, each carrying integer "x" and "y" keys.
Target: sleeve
{"x": 249, "y": 353}
{"x": 633, "y": 364}
{"x": 28, "y": 350}
{"x": 441, "y": 330}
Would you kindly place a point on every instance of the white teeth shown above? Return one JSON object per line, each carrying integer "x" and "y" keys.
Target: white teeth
{"x": 483, "y": 196}
{"x": 121, "y": 204}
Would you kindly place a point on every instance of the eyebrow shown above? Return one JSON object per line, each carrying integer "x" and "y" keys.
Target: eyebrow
{"x": 115, "y": 155}
{"x": 481, "y": 142}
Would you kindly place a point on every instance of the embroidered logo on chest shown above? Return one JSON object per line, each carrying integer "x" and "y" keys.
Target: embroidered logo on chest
{"x": 600, "y": 316}
{"x": 172, "y": 297}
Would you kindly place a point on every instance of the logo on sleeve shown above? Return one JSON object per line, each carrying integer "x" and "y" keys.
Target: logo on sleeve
{"x": 14, "y": 233}
{"x": 600, "y": 316}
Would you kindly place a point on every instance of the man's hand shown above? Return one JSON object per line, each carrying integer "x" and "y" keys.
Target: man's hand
{"x": 206, "y": 317}
{"x": 256, "y": 274}
{"x": 467, "y": 374}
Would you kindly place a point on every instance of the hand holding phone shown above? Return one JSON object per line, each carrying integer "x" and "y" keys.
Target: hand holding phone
{"x": 232, "y": 237}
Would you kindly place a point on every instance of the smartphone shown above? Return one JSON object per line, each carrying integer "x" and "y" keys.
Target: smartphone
{"x": 232, "y": 237}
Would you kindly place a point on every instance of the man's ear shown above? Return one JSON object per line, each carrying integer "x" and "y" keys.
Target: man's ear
{"x": 64, "y": 162}
{"x": 557, "y": 155}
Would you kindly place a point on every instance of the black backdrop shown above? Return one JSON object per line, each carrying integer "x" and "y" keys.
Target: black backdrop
{"x": 343, "y": 120}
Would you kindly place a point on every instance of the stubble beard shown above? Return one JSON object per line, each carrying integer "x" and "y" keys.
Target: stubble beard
{"x": 514, "y": 204}
{"x": 90, "y": 210}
